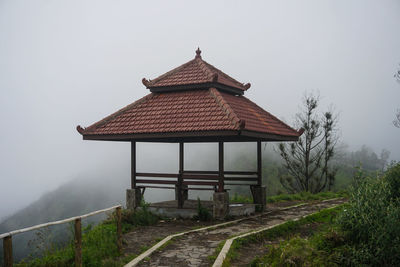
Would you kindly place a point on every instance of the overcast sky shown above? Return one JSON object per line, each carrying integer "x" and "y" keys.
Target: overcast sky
{"x": 64, "y": 63}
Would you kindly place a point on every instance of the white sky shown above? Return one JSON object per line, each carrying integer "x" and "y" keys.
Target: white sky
{"x": 64, "y": 63}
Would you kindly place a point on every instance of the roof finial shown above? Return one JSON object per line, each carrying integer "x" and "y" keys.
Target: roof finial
{"x": 198, "y": 52}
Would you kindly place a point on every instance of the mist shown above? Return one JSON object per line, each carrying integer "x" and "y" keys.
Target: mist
{"x": 65, "y": 63}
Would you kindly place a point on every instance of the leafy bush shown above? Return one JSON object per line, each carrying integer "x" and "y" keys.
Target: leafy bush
{"x": 371, "y": 221}
{"x": 140, "y": 217}
{"x": 203, "y": 214}
{"x": 392, "y": 176}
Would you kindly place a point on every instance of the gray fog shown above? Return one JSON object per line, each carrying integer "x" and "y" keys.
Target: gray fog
{"x": 64, "y": 63}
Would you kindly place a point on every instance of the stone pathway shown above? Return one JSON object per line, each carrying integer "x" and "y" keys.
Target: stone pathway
{"x": 194, "y": 249}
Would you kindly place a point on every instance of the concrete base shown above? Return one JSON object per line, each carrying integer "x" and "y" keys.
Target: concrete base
{"x": 133, "y": 198}
{"x": 189, "y": 210}
{"x": 221, "y": 205}
{"x": 170, "y": 208}
{"x": 259, "y": 196}
{"x": 245, "y": 209}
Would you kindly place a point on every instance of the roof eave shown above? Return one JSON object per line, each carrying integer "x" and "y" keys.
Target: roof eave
{"x": 202, "y": 136}
{"x": 270, "y": 136}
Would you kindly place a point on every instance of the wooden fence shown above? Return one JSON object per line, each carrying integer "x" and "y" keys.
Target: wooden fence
{"x": 7, "y": 237}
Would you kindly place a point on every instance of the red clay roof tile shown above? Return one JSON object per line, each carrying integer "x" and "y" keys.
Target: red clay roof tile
{"x": 208, "y": 110}
{"x": 195, "y": 110}
{"x": 196, "y": 71}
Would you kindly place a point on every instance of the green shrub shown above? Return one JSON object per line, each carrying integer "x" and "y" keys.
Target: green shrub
{"x": 392, "y": 176}
{"x": 140, "y": 217}
{"x": 203, "y": 214}
{"x": 371, "y": 221}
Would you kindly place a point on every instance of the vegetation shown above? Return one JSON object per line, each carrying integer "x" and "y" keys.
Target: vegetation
{"x": 371, "y": 221}
{"x": 99, "y": 243}
{"x": 140, "y": 217}
{"x": 302, "y": 196}
{"x": 301, "y": 252}
{"x": 203, "y": 214}
{"x": 365, "y": 233}
{"x": 306, "y": 196}
{"x": 284, "y": 230}
{"x": 308, "y": 162}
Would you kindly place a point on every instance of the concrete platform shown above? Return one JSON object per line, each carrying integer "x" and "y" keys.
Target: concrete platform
{"x": 189, "y": 210}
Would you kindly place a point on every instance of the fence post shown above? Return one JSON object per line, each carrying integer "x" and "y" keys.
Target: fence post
{"x": 119, "y": 230}
{"x": 78, "y": 243}
{"x": 8, "y": 254}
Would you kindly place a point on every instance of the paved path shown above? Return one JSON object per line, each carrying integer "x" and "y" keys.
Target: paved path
{"x": 194, "y": 249}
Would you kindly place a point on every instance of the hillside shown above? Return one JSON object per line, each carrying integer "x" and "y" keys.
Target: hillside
{"x": 71, "y": 199}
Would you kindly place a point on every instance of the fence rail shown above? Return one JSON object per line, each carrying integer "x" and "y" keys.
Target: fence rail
{"x": 7, "y": 237}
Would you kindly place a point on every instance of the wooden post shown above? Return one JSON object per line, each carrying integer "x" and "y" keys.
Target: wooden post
{"x": 133, "y": 164}
{"x": 119, "y": 229}
{"x": 259, "y": 164}
{"x": 78, "y": 243}
{"x": 221, "y": 167}
{"x": 7, "y": 249}
{"x": 180, "y": 176}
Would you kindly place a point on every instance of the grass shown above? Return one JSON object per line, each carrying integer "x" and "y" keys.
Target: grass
{"x": 214, "y": 256}
{"x": 99, "y": 243}
{"x": 303, "y": 196}
{"x": 365, "y": 233}
{"x": 320, "y": 249}
{"x": 283, "y": 230}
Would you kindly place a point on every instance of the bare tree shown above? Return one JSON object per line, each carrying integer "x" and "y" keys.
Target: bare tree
{"x": 307, "y": 162}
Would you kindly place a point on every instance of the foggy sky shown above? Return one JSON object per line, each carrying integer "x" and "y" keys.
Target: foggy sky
{"x": 64, "y": 63}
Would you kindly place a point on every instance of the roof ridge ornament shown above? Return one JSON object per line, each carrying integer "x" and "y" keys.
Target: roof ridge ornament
{"x": 146, "y": 82}
{"x": 198, "y": 53}
{"x": 80, "y": 129}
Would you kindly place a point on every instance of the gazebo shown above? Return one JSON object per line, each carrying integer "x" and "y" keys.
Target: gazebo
{"x": 194, "y": 102}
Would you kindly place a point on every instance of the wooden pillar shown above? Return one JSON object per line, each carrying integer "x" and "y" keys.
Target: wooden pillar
{"x": 119, "y": 230}
{"x": 8, "y": 253}
{"x": 133, "y": 164}
{"x": 180, "y": 176}
{"x": 78, "y": 243}
{"x": 221, "y": 166}
{"x": 259, "y": 164}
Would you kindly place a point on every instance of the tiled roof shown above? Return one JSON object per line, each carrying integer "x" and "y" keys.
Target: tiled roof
{"x": 197, "y": 101}
{"x": 190, "y": 111}
{"x": 196, "y": 71}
